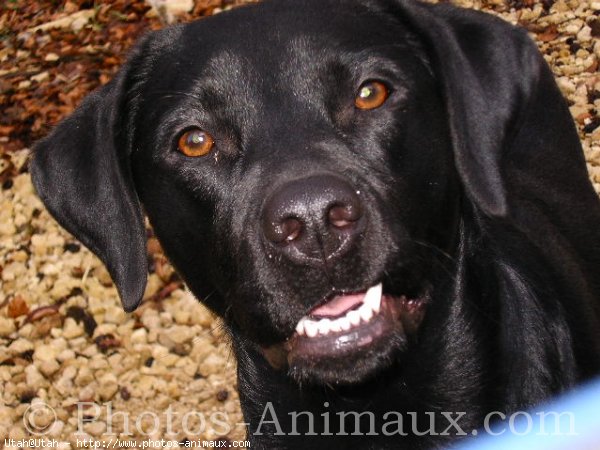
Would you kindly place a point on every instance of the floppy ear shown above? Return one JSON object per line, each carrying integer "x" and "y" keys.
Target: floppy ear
{"x": 491, "y": 74}
{"x": 519, "y": 157}
{"x": 81, "y": 172}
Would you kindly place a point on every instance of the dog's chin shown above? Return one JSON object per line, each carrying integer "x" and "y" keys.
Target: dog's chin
{"x": 349, "y": 339}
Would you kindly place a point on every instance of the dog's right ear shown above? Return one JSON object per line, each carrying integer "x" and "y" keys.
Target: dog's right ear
{"x": 81, "y": 172}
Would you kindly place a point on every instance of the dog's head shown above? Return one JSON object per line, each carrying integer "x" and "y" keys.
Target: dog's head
{"x": 305, "y": 165}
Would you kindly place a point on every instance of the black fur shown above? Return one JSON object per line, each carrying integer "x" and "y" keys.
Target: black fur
{"x": 471, "y": 175}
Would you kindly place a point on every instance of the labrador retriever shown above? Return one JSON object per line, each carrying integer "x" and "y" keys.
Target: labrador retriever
{"x": 385, "y": 201}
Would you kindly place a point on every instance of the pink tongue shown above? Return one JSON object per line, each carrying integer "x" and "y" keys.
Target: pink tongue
{"x": 338, "y": 305}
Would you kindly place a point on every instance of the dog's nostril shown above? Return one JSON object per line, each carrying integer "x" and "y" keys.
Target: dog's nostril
{"x": 343, "y": 216}
{"x": 291, "y": 229}
{"x": 287, "y": 230}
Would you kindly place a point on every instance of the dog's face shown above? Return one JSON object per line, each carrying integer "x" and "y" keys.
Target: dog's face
{"x": 293, "y": 170}
{"x": 312, "y": 168}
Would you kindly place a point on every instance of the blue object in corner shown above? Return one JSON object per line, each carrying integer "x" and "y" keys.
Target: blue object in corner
{"x": 572, "y": 422}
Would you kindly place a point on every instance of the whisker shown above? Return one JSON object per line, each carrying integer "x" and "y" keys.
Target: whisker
{"x": 436, "y": 249}
{"x": 171, "y": 94}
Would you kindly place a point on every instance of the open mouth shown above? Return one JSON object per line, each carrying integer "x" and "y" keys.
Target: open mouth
{"x": 349, "y": 322}
{"x": 349, "y": 329}
{"x": 341, "y": 313}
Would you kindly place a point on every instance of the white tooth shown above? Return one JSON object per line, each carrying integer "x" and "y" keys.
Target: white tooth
{"x": 373, "y": 297}
{"x": 365, "y": 312}
{"x": 377, "y": 307}
{"x": 323, "y": 325}
{"x": 336, "y": 325}
{"x": 300, "y": 326}
{"x": 354, "y": 317}
{"x": 311, "y": 328}
{"x": 344, "y": 323}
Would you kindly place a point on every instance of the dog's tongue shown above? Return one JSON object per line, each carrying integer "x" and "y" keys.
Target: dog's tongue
{"x": 338, "y": 305}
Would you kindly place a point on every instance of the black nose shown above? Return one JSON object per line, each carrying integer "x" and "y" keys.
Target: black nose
{"x": 313, "y": 218}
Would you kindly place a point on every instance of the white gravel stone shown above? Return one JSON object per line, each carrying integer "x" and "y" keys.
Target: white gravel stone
{"x": 84, "y": 377}
{"x": 115, "y": 314}
{"x": 585, "y": 34}
{"x": 65, "y": 355}
{"x": 87, "y": 394}
{"x": 56, "y": 429}
{"x": 108, "y": 387}
{"x": 175, "y": 335}
{"x": 17, "y": 433}
{"x": 49, "y": 368}
{"x": 45, "y": 353}
{"x": 7, "y": 326}
{"x": 95, "y": 428}
{"x": 212, "y": 364}
{"x": 20, "y": 346}
{"x": 33, "y": 376}
{"x": 71, "y": 329}
{"x": 6, "y": 414}
{"x": 63, "y": 386}
{"x": 168, "y": 9}
{"x": 139, "y": 336}
{"x": 150, "y": 319}
{"x": 69, "y": 373}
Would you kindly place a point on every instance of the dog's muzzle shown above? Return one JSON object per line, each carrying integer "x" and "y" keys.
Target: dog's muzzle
{"x": 316, "y": 221}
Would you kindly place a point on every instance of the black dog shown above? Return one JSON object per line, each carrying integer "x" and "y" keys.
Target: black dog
{"x": 385, "y": 201}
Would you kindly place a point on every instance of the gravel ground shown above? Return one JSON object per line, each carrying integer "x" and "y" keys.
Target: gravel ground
{"x": 64, "y": 338}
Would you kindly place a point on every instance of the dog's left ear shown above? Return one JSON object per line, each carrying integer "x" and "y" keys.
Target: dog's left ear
{"x": 495, "y": 82}
{"x": 81, "y": 172}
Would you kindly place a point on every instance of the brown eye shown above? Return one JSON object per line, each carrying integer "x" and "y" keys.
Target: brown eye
{"x": 195, "y": 143}
{"x": 371, "y": 95}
